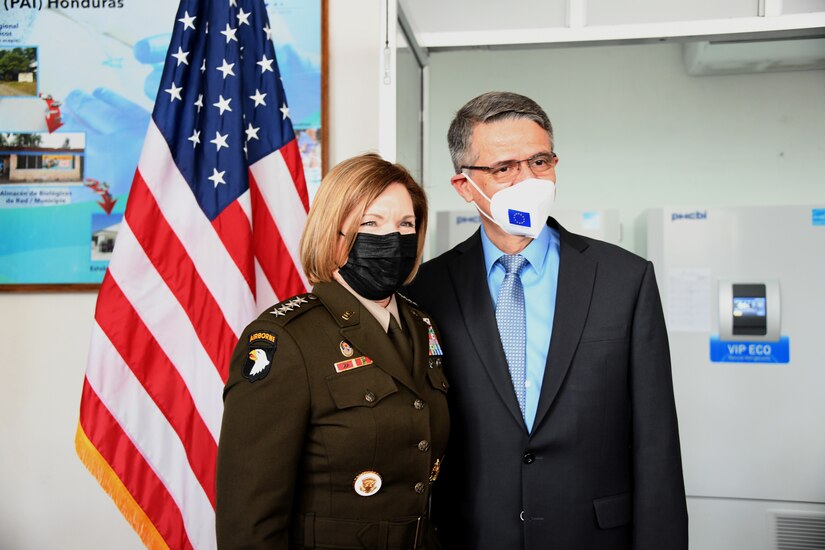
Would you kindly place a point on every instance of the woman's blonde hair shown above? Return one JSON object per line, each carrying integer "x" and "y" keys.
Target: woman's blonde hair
{"x": 349, "y": 188}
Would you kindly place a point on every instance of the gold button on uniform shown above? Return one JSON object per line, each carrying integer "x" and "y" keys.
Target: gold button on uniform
{"x": 419, "y": 487}
{"x": 418, "y": 404}
{"x": 423, "y": 445}
{"x": 369, "y": 397}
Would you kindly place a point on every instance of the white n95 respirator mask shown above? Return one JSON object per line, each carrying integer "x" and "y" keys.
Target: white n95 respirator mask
{"x": 521, "y": 209}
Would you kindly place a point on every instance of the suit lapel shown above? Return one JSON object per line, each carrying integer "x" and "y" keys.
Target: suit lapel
{"x": 470, "y": 283}
{"x": 577, "y": 274}
{"x": 362, "y": 330}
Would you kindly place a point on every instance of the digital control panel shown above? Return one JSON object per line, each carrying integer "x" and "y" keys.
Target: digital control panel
{"x": 749, "y": 310}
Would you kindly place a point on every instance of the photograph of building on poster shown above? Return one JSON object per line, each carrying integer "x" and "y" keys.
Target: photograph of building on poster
{"x": 18, "y": 71}
{"x": 104, "y": 233}
{"x": 100, "y": 81}
{"x": 28, "y": 158}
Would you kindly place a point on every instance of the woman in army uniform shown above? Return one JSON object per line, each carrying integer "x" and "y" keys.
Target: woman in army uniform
{"x": 335, "y": 418}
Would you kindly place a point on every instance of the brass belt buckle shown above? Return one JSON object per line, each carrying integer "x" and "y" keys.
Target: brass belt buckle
{"x": 418, "y": 522}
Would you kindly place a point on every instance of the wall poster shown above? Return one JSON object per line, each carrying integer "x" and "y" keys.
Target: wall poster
{"x": 78, "y": 81}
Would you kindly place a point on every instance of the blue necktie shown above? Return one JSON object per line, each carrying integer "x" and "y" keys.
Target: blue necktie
{"x": 512, "y": 323}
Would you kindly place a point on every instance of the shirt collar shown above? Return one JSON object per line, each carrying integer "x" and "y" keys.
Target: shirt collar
{"x": 535, "y": 252}
{"x": 381, "y": 314}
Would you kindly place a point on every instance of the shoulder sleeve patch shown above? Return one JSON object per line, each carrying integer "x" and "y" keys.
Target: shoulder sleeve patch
{"x": 262, "y": 345}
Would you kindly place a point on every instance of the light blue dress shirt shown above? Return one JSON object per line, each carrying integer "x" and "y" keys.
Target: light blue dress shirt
{"x": 540, "y": 280}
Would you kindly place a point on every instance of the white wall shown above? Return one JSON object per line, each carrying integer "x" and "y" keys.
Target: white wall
{"x": 355, "y": 40}
{"x": 633, "y": 131}
{"x": 47, "y": 498}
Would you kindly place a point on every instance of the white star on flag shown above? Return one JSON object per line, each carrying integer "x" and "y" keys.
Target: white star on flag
{"x": 258, "y": 98}
{"x": 174, "y": 92}
{"x": 181, "y": 56}
{"x": 285, "y": 111}
{"x": 188, "y": 22}
{"x": 217, "y": 177}
{"x": 266, "y": 64}
{"x": 220, "y": 141}
{"x": 229, "y": 33}
{"x": 195, "y": 138}
{"x": 226, "y": 69}
{"x": 199, "y": 102}
{"x": 251, "y": 133}
{"x": 243, "y": 17}
{"x": 268, "y": 32}
{"x": 223, "y": 104}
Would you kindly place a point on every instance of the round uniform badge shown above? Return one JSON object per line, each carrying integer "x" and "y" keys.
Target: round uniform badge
{"x": 367, "y": 483}
{"x": 346, "y": 348}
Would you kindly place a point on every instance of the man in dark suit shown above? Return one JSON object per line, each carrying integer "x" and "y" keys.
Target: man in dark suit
{"x": 564, "y": 433}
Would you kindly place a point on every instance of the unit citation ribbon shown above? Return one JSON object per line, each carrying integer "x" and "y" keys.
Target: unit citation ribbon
{"x": 354, "y": 363}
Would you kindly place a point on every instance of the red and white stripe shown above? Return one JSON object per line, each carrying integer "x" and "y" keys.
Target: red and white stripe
{"x": 179, "y": 291}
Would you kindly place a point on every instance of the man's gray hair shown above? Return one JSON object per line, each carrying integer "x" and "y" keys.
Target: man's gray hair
{"x": 490, "y": 107}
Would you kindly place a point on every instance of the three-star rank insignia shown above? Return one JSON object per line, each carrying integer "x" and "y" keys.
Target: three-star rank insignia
{"x": 262, "y": 345}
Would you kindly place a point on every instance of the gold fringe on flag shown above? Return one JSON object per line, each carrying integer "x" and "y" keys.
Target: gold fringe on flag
{"x": 111, "y": 483}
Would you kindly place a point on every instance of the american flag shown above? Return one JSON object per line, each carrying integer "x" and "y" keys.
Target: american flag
{"x": 209, "y": 238}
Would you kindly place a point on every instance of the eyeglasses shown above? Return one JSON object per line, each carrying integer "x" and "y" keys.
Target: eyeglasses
{"x": 505, "y": 171}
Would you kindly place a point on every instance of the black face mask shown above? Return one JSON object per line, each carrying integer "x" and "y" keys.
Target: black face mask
{"x": 378, "y": 265}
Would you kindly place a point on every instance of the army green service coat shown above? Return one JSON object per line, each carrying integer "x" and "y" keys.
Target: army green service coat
{"x": 320, "y": 408}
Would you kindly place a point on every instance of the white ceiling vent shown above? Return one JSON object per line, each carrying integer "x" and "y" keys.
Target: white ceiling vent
{"x": 754, "y": 56}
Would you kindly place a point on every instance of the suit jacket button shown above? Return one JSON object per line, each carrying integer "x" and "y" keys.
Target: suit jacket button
{"x": 419, "y": 487}
{"x": 418, "y": 404}
{"x": 528, "y": 457}
{"x": 369, "y": 397}
{"x": 423, "y": 445}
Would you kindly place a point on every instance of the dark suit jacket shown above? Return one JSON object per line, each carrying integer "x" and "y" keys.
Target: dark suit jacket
{"x": 602, "y": 467}
{"x": 293, "y": 441}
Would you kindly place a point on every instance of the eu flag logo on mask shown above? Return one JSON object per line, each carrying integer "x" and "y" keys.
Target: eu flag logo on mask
{"x": 517, "y": 217}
